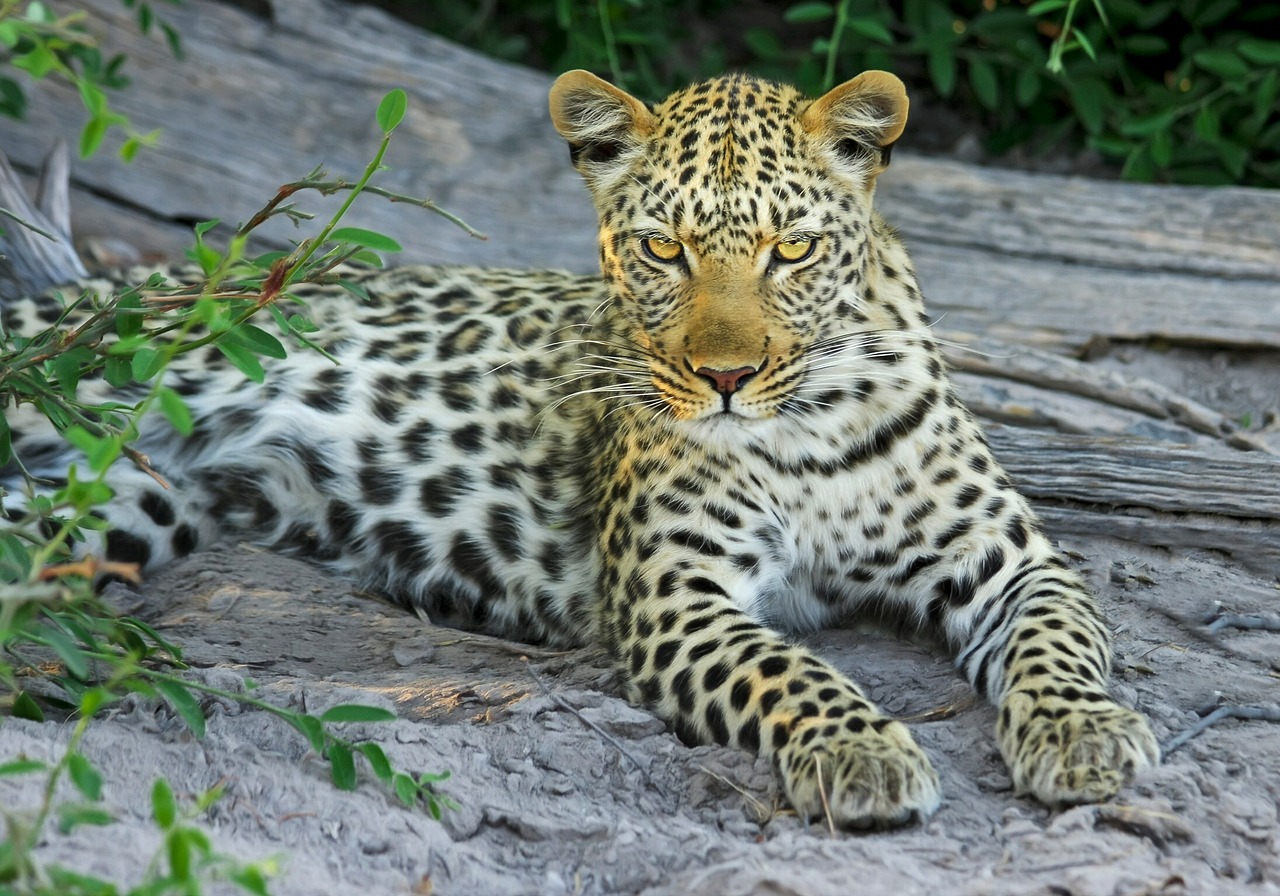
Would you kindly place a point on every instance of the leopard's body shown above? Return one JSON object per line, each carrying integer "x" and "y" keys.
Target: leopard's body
{"x": 744, "y": 429}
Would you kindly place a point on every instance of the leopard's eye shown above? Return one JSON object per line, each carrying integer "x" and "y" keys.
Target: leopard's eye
{"x": 663, "y": 250}
{"x": 794, "y": 250}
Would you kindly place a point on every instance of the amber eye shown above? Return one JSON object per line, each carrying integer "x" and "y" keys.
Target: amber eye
{"x": 660, "y": 249}
{"x": 794, "y": 250}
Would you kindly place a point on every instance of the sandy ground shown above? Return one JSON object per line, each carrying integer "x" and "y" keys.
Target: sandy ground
{"x": 547, "y": 805}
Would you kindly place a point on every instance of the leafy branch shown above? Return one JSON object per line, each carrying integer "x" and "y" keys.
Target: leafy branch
{"x": 60, "y": 646}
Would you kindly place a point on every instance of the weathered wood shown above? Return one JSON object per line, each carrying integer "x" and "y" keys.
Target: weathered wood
{"x": 257, "y": 102}
{"x": 1230, "y": 233}
{"x": 1189, "y": 497}
{"x": 35, "y": 237}
{"x": 1075, "y": 397}
{"x": 1066, "y": 306}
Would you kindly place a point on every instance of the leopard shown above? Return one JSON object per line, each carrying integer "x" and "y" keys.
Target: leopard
{"x": 740, "y": 431}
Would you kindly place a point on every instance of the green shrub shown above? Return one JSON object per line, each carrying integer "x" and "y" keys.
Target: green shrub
{"x": 57, "y": 639}
{"x": 1167, "y": 90}
{"x": 41, "y": 43}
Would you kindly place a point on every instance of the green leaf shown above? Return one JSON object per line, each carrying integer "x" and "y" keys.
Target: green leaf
{"x": 808, "y": 12}
{"x": 164, "y": 808}
{"x": 364, "y": 256}
{"x": 311, "y": 729}
{"x": 355, "y": 289}
{"x": 872, "y": 28}
{"x": 6, "y": 441}
{"x": 1263, "y": 52}
{"x": 1234, "y": 158}
{"x": 982, "y": 78}
{"x": 244, "y": 360}
{"x": 391, "y": 110}
{"x": 25, "y": 707}
{"x": 1265, "y": 93}
{"x": 355, "y": 712}
{"x": 213, "y": 314}
{"x": 377, "y": 761}
{"x": 71, "y": 655}
{"x": 210, "y": 796}
{"x": 763, "y": 43}
{"x": 1223, "y": 63}
{"x": 367, "y": 238}
{"x": 68, "y": 367}
{"x": 1148, "y": 124}
{"x": 178, "y": 845}
{"x": 1146, "y": 45}
{"x": 37, "y": 62}
{"x": 21, "y": 767}
{"x": 1026, "y": 87}
{"x": 300, "y": 324}
{"x": 344, "y": 766}
{"x": 92, "y": 134}
{"x": 129, "y": 314}
{"x": 942, "y": 69}
{"x": 405, "y": 787}
{"x": 95, "y": 101}
{"x": 1138, "y": 166}
{"x": 1085, "y": 44}
{"x": 175, "y": 410}
{"x": 184, "y": 703}
{"x": 146, "y": 364}
{"x": 117, "y": 371}
{"x": 94, "y": 699}
{"x": 129, "y": 149}
{"x": 72, "y": 815}
{"x": 1162, "y": 148}
{"x": 1207, "y": 125}
{"x": 1046, "y": 6}
{"x": 173, "y": 39}
{"x": 252, "y": 879}
{"x": 86, "y": 778}
{"x": 100, "y": 451}
{"x": 256, "y": 340}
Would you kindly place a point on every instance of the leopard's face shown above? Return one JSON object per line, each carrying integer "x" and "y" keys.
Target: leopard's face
{"x": 735, "y": 223}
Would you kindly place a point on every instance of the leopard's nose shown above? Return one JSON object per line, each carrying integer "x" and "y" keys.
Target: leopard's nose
{"x": 727, "y": 382}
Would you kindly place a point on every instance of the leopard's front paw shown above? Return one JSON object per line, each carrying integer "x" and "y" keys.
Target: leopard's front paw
{"x": 1064, "y": 752}
{"x": 872, "y": 778}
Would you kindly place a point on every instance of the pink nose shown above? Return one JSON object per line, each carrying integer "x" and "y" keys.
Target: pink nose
{"x": 727, "y": 381}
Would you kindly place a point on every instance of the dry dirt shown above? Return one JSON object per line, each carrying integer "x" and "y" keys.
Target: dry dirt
{"x": 548, "y": 805}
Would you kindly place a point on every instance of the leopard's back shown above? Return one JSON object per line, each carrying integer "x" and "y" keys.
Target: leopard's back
{"x": 420, "y": 458}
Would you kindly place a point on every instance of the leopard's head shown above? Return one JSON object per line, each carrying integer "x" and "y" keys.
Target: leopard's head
{"x": 735, "y": 229}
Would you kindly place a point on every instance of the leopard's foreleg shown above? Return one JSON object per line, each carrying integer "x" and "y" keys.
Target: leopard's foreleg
{"x": 678, "y": 620}
{"x": 1038, "y": 648}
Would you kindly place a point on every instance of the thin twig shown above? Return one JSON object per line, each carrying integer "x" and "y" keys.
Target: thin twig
{"x": 564, "y": 704}
{"x": 822, "y": 792}
{"x": 89, "y": 567}
{"x": 1258, "y": 713}
{"x": 762, "y": 812}
{"x": 1249, "y": 621}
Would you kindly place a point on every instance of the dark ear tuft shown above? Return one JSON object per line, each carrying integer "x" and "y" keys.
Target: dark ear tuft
{"x": 851, "y": 150}
{"x": 859, "y": 121}
{"x": 598, "y": 121}
{"x": 857, "y": 152}
{"x": 595, "y": 152}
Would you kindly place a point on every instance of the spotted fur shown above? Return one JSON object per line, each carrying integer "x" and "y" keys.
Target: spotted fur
{"x": 743, "y": 429}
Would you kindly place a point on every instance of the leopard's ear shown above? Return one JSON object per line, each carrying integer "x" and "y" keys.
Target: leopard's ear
{"x": 860, "y": 120}
{"x": 602, "y": 124}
